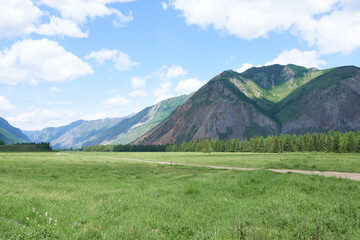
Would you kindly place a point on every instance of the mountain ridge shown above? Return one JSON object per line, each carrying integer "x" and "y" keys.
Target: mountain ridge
{"x": 11, "y": 134}
{"x": 266, "y": 104}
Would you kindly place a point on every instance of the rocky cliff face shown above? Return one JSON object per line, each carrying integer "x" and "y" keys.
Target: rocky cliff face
{"x": 216, "y": 111}
{"x": 332, "y": 102}
{"x": 262, "y": 101}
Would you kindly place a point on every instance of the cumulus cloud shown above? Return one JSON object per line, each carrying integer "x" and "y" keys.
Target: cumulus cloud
{"x": 18, "y": 17}
{"x": 61, "y": 27}
{"x": 5, "y": 105}
{"x": 121, "y": 60}
{"x": 163, "y": 92}
{"x": 245, "y": 67}
{"x": 36, "y": 60}
{"x": 35, "y": 118}
{"x": 23, "y": 17}
{"x": 189, "y": 85}
{"x": 80, "y": 10}
{"x": 295, "y": 56}
{"x": 137, "y": 82}
{"x": 166, "y": 73}
{"x": 117, "y": 101}
{"x": 330, "y": 25}
{"x": 138, "y": 93}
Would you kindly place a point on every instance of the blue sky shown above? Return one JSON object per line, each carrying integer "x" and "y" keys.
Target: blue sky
{"x": 64, "y": 60}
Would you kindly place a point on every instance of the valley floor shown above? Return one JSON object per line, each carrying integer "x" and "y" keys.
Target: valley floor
{"x": 101, "y": 196}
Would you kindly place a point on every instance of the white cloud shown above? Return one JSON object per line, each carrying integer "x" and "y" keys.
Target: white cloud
{"x": 61, "y": 27}
{"x": 245, "y": 67}
{"x": 117, "y": 101}
{"x": 295, "y": 56}
{"x": 35, "y": 118}
{"x": 175, "y": 72}
{"x": 337, "y": 32}
{"x": 18, "y": 17}
{"x": 121, "y": 60}
{"x": 163, "y": 91}
{"x": 330, "y": 25}
{"x": 166, "y": 73}
{"x": 5, "y": 105}
{"x": 138, "y": 93}
{"x": 22, "y": 17}
{"x": 137, "y": 82}
{"x": 165, "y": 5}
{"x": 36, "y": 60}
{"x": 80, "y": 10}
{"x": 189, "y": 85}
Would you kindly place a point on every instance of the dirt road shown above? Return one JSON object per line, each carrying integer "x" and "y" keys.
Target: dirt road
{"x": 351, "y": 176}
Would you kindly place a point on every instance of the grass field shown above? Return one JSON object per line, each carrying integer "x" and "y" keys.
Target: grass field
{"x": 85, "y": 196}
{"x": 349, "y": 162}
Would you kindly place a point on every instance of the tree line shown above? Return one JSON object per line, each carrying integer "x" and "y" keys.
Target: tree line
{"x": 338, "y": 142}
{"x": 125, "y": 148}
{"x": 332, "y": 141}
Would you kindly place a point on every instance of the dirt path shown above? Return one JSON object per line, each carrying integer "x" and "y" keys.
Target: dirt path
{"x": 351, "y": 176}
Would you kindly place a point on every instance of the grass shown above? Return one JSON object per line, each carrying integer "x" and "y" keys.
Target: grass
{"x": 349, "y": 162}
{"x": 95, "y": 198}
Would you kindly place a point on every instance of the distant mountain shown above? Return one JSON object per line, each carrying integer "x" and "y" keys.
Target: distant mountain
{"x": 133, "y": 127}
{"x": 74, "y": 134}
{"x": 107, "y": 131}
{"x": 266, "y": 100}
{"x": 11, "y": 134}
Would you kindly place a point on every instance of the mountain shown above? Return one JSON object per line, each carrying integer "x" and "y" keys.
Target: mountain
{"x": 107, "y": 131}
{"x": 74, "y": 134}
{"x": 266, "y": 100}
{"x": 131, "y": 128}
{"x": 11, "y": 134}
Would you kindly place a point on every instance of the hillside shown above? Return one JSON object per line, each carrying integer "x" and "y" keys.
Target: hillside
{"x": 107, "y": 131}
{"x": 131, "y": 128}
{"x": 11, "y": 134}
{"x": 74, "y": 134}
{"x": 267, "y": 100}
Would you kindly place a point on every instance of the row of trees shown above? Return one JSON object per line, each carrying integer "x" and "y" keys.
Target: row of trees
{"x": 338, "y": 142}
{"x": 126, "y": 148}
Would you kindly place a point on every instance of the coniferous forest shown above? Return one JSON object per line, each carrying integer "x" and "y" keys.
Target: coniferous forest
{"x": 337, "y": 142}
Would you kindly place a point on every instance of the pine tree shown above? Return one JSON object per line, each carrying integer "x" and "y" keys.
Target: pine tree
{"x": 336, "y": 143}
{"x": 350, "y": 142}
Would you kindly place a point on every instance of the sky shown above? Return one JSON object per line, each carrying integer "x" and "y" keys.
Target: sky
{"x": 65, "y": 60}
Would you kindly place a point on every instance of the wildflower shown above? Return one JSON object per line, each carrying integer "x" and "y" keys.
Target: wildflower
{"x": 27, "y": 218}
{"x": 50, "y": 219}
{"x": 33, "y": 209}
{"x": 46, "y": 213}
{"x": 37, "y": 212}
{"x": 55, "y": 221}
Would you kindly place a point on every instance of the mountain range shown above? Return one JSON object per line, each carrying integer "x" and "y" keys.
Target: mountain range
{"x": 274, "y": 100}
{"x": 11, "y": 134}
{"x": 83, "y": 133}
{"x": 266, "y": 100}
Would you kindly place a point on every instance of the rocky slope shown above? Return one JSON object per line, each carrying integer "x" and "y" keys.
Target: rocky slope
{"x": 11, "y": 134}
{"x": 267, "y": 100}
{"x": 133, "y": 127}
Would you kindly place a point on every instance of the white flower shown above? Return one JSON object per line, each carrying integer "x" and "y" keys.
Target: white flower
{"x": 33, "y": 209}
{"x": 46, "y": 213}
{"x": 50, "y": 219}
{"x": 55, "y": 221}
{"x": 27, "y": 218}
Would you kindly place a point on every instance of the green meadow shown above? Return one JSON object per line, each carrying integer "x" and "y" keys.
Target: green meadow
{"x": 77, "y": 195}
